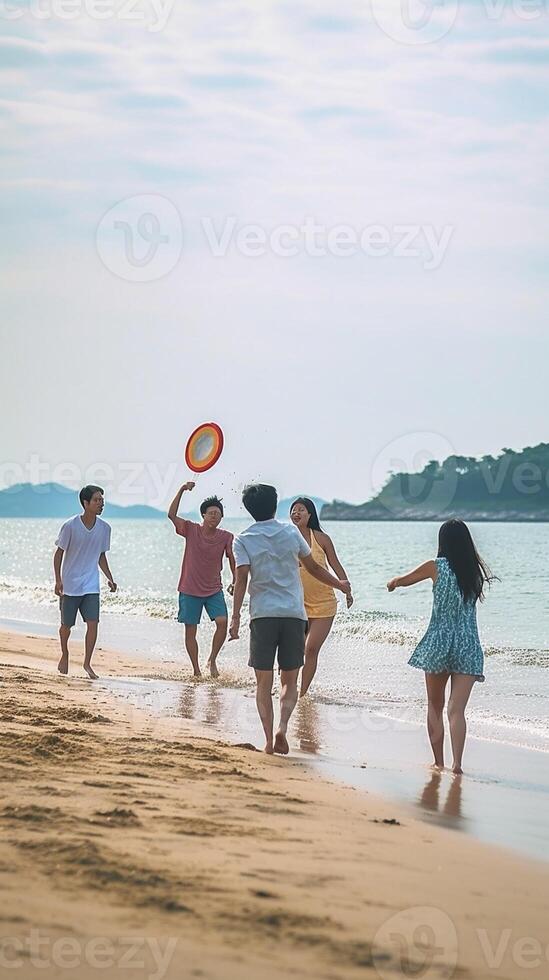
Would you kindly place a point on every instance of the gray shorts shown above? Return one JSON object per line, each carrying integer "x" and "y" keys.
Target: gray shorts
{"x": 88, "y": 605}
{"x": 272, "y": 634}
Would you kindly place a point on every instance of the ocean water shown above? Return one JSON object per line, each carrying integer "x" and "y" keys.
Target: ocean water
{"x": 364, "y": 662}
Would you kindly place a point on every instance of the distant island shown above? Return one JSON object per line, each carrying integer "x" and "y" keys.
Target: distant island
{"x": 55, "y": 500}
{"x": 513, "y": 486}
{"x": 283, "y": 509}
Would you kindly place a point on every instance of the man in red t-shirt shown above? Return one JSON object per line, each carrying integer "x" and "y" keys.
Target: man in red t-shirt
{"x": 200, "y": 585}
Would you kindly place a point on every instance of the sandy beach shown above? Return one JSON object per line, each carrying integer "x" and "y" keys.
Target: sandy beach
{"x": 131, "y": 843}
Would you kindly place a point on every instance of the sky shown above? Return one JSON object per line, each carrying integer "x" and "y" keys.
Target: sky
{"x": 323, "y": 226}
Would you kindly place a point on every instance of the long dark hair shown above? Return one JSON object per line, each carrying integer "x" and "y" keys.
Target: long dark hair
{"x": 456, "y": 544}
{"x": 309, "y": 506}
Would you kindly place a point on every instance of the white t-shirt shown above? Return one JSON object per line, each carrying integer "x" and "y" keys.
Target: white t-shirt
{"x": 272, "y": 550}
{"x": 83, "y": 549}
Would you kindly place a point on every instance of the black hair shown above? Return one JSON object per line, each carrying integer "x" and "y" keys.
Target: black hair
{"x": 309, "y": 506}
{"x": 87, "y": 493}
{"x": 456, "y": 544}
{"x": 260, "y": 500}
{"x": 210, "y": 502}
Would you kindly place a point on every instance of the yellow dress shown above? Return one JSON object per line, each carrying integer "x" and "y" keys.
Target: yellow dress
{"x": 320, "y": 600}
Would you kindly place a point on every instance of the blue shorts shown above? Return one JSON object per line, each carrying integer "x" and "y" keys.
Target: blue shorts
{"x": 191, "y": 606}
{"x": 87, "y": 605}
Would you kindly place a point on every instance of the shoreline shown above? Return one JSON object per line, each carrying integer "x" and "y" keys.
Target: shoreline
{"x": 246, "y": 862}
{"x": 475, "y": 517}
{"x": 361, "y": 747}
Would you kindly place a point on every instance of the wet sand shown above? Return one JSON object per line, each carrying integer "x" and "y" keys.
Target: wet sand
{"x": 504, "y": 798}
{"x": 123, "y": 826}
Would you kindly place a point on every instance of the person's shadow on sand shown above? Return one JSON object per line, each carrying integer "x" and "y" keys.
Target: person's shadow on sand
{"x": 452, "y": 808}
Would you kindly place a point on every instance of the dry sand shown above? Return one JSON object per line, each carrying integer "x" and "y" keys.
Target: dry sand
{"x": 132, "y": 848}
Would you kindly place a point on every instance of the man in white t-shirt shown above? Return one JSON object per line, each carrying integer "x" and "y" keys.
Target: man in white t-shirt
{"x": 82, "y": 546}
{"x": 269, "y": 553}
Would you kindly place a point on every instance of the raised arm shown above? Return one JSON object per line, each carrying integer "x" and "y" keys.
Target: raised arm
{"x": 419, "y": 574}
{"x": 104, "y": 566}
{"x": 323, "y": 575}
{"x": 242, "y": 573}
{"x": 334, "y": 562}
{"x": 179, "y": 523}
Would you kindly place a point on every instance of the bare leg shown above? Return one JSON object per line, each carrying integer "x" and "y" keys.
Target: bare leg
{"x": 436, "y": 686}
{"x": 264, "y": 701}
{"x": 462, "y": 685}
{"x": 63, "y": 665}
{"x": 219, "y": 638}
{"x": 319, "y": 630}
{"x": 288, "y": 701}
{"x": 91, "y": 637}
{"x": 192, "y": 648}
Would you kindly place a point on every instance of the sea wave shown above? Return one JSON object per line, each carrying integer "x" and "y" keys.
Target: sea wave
{"x": 366, "y": 628}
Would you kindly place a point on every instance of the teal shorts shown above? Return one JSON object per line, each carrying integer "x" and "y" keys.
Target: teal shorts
{"x": 86, "y": 605}
{"x": 191, "y": 606}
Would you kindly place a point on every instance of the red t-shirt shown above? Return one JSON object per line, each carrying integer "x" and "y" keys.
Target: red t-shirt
{"x": 203, "y": 558}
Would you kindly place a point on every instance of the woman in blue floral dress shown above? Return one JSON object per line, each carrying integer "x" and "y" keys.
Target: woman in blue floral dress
{"x": 451, "y": 646}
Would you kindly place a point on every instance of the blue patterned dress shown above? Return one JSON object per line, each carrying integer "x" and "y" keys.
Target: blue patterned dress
{"x": 451, "y": 643}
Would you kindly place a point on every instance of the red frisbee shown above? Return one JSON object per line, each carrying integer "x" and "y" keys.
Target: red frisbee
{"x": 204, "y": 447}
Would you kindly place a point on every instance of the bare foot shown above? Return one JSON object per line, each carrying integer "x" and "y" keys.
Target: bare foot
{"x": 457, "y": 771}
{"x": 437, "y": 766}
{"x": 91, "y": 672}
{"x": 197, "y": 673}
{"x": 269, "y": 748}
{"x": 213, "y": 668}
{"x": 281, "y": 744}
{"x": 63, "y": 665}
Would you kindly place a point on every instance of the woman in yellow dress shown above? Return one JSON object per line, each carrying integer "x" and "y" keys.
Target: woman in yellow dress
{"x": 320, "y": 600}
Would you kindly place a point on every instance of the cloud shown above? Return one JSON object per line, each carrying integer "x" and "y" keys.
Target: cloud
{"x": 16, "y": 52}
{"x": 272, "y": 112}
{"x": 224, "y": 81}
{"x": 333, "y": 24}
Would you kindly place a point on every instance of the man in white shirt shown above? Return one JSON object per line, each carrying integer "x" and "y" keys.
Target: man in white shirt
{"x": 82, "y": 544}
{"x": 269, "y": 553}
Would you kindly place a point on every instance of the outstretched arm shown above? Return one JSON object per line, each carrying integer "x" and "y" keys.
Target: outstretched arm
{"x": 419, "y": 574}
{"x": 323, "y": 575}
{"x": 104, "y": 566}
{"x": 179, "y": 523}
{"x": 241, "y": 583}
